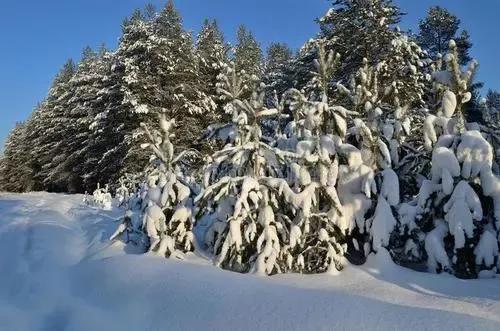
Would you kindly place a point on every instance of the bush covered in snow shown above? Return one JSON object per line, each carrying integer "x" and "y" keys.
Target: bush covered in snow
{"x": 100, "y": 198}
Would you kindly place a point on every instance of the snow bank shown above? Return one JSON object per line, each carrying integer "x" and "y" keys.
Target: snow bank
{"x": 59, "y": 272}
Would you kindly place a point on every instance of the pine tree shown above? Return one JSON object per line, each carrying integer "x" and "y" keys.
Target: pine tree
{"x": 277, "y": 69}
{"x": 438, "y": 28}
{"x": 454, "y": 217}
{"x": 359, "y": 29}
{"x": 248, "y": 54}
{"x": 212, "y": 52}
{"x": 47, "y": 134}
{"x": 493, "y": 100}
{"x": 16, "y": 171}
{"x": 231, "y": 182}
{"x": 167, "y": 220}
{"x": 363, "y": 33}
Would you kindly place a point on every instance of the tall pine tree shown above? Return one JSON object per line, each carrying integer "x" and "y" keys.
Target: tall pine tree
{"x": 248, "y": 54}
{"x": 438, "y": 28}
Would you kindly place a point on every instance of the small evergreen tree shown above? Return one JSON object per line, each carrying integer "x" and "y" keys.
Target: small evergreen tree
{"x": 449, "y": 210}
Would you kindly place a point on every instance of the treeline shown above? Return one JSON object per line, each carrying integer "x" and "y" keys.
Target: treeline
{"x": 87, "y": 130}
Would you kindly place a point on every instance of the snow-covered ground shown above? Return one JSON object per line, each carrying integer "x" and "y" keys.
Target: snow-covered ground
{"x": 59, "y": 272}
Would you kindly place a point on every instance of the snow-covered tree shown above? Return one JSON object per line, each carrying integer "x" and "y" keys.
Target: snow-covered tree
{"x": 300, "y": 222}
{"x": 167, "y": 218}
{"x": 493, "y": 100}
{"x": 359, "y": 29}
{"x": 259, "y": 219}
{"x": 110, "y": 122}
{"x": 243, "y": 229}
{"x": 101, "y": 198}
{"x": 162, "y": 76}
{"x": 277, "y": 68}
{"x": 16, "y": 163}
{"x": 47, "y": 132}
{"x": 319, "y": 220}
{"x": 364, "y": 34}
{"x": 248, "y": 54}
{"x": 69, "y": 167}
{"x": 213, "y": 56}
{"x": 452, "y": 215}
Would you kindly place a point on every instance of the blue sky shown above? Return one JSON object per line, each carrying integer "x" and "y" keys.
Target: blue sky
{"x": 37, "y": 37}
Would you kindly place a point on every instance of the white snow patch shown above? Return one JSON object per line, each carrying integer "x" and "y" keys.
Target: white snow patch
{"x": 59, "y": 272}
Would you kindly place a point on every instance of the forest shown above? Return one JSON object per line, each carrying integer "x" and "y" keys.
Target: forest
{"x": 368, "y": 139}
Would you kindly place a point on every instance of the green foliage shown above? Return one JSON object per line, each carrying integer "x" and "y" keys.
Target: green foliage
{"x": 438, "y": 28}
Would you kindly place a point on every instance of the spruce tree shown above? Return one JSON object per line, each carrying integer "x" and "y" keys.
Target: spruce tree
{"x": 86, "y": 101}
{"x": 161, "y": 76}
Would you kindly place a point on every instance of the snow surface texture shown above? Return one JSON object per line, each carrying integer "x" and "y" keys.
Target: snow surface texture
{"x": 59, "y": 272}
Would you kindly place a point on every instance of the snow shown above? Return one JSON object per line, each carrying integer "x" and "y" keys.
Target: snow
{"x": 60, "y": 272}
{"x": 487, "y": 249}
{"x": 445, "y": 166}
{"x": 383, "y": 224}
{"x": 475, "y": 153}
{"x": 449, "y": 103}
{"x": 491, "y": 187}
{"x": 434, "y": 246}
{"x": 463, "y": 208}
{"x": 390, "y": 187}
{"x": 154, "y": 223}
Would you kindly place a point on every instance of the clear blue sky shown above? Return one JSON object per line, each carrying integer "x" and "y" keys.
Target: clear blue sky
{"x": 38, "y": 36}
